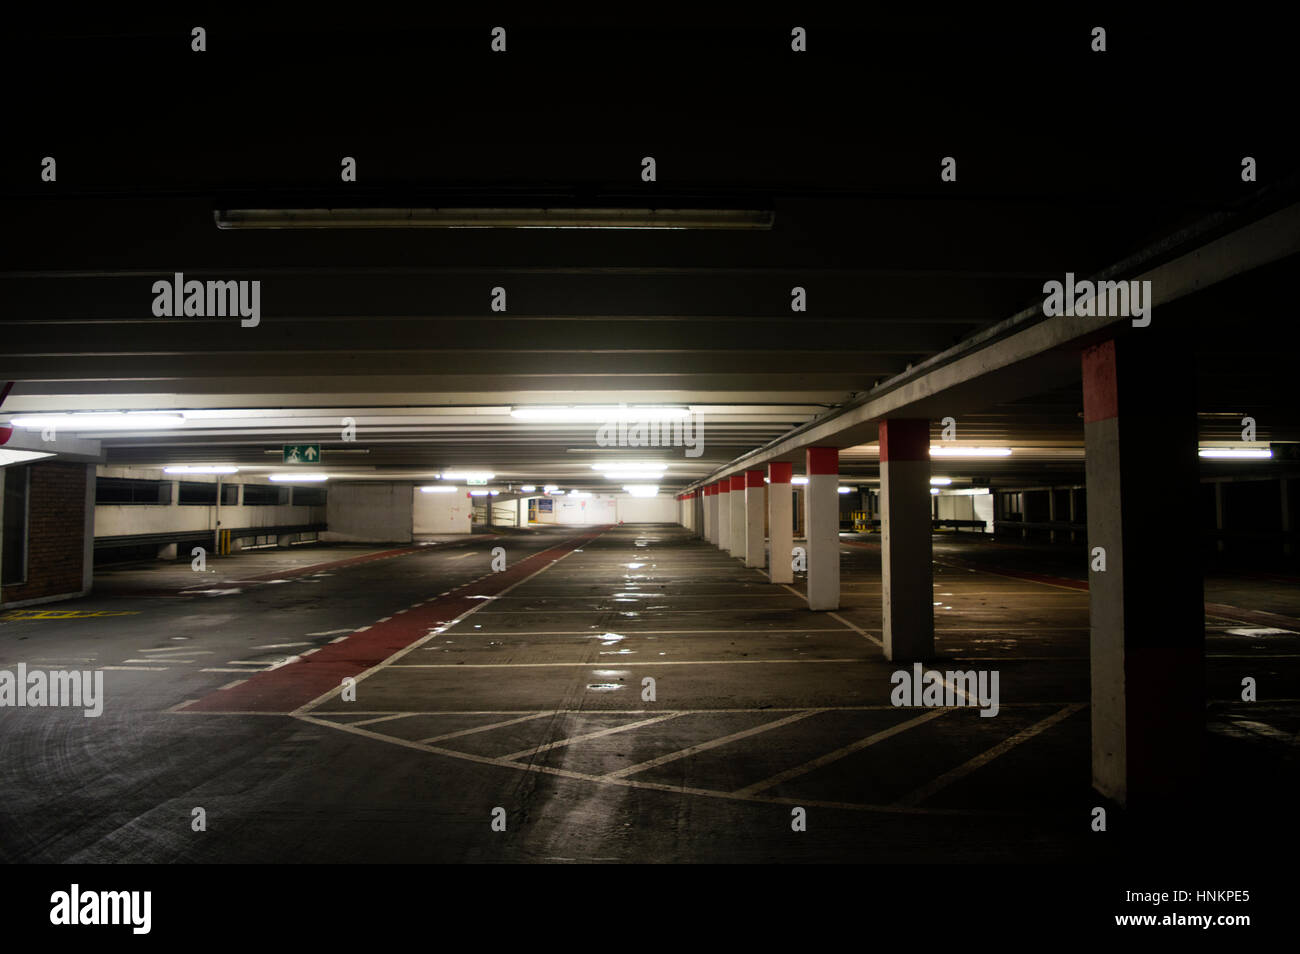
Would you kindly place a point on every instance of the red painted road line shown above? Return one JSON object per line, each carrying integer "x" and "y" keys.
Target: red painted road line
{"x": 289, "y": 687}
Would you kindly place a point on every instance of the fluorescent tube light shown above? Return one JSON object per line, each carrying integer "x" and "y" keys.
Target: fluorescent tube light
{"x": 591, "y": 414}
{"x": 1236, "y": 453}
{"x": 99, "y": 420}
{"x": 493, "y": 218}
{"x": 938, "y": 450}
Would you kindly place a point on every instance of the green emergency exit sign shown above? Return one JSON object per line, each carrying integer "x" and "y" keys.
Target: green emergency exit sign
{"x": 302, "y": 453}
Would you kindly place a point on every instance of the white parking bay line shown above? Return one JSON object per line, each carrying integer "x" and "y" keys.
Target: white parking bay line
{"x": 857, "y": 629}
{"x": 711, "y": 744}
{"x": 291, "y": 645}
{"x": 662, "y": 662}
{"x": 385, "y": 718}
{"x": 485, "y": 728}
{"x": 1006, "y": 745}
{"x": 838, "y": 753}
{"x": 538, "y": 750}
{"x": 136, "y": 668}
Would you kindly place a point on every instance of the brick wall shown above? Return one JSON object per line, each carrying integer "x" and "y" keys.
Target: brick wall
{"x": 55, "y": 532}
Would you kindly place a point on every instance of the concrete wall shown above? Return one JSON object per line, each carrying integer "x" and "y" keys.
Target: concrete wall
{"x": 440, "y": 513}
{"x": 371, "y": 511}
{"x": 596, "y": 509}
{"x": 113, "y": 520}
{"x": 660, "y": 509}
{"x": 611, "y": 508}
{"x": 967, "y": 507}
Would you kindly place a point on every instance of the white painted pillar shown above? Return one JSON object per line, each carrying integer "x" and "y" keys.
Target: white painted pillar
{"x": 755, "y": 541}
{"x": 1146, "y": 602}
{"x": 710, "y": 512}
{"x": 907, "y": 573}
{"x": 738, "y": 527}
{"x": 724, "y": 513}
{"x": 822, "y": 527}
{"x": 780, "y": 522}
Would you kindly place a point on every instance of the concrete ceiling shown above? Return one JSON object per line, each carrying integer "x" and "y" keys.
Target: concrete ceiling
{"x": 394, "y": 328}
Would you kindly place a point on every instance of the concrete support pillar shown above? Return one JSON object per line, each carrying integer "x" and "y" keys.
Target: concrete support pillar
{"x": 1051, "y": 513}
{"x": 823, "y": 528}
{"x": 780, "y": 522}
{"x": 724, "y": 514}
{"x": 736, "y": 500}
{"x": 1287, "y": 548}
{"x": 710, "y": 513}
{"x": 284, "y": 540}
{"x": 1074, "y": 516}
{"x": 1219, "y": 543}
{"x": 167, "y": 551}
{"x": 907, "y": 573}
{"x": 755, "y": 543}
{"x": 1147, "y": 607}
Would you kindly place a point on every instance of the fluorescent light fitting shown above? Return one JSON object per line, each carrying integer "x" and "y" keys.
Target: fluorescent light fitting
{"x": 642, "y": 490}
{"x": 438, "y": 489}
{"x": 644, "y": 465}
{"x": 493, "y": 218}
{"x": 99, "y": 421}
{"x": 298, "y": 478}
{"x": 1236, "y": 453}
{"x": 846, "y": 490}
{"x": 940, "y": 481}
{"x": 592, "y": 414}
{"x": 527, "y": 488}
{"x": 201, "y": 469}
{"x": 939, "y": 450}
{"x": 467, "y": 475}
{"x": 798, "y": 480}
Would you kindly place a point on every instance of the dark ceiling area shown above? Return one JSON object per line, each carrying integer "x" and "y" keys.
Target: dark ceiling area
{"x": 1067, "y": 161}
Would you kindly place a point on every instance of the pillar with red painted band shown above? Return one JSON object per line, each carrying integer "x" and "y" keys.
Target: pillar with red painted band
{"x": 906, "y": 567}
{"x": 738, "y": 528}
{"x": 755, "y": 540}
{"x": 822, "y": 526}
{"x": 1146, "y": 608}
{"x": 780, "y": 522}
{"x": 724, "y": 514}
{"x": 710, "y": 515}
